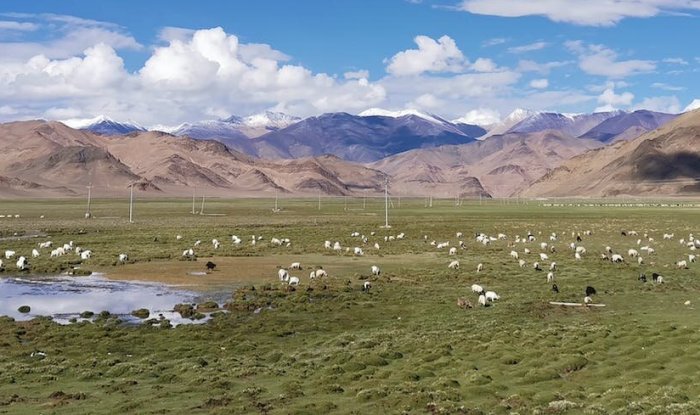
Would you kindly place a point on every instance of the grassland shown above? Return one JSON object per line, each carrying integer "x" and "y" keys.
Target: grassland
{"x": 329, "y": 348}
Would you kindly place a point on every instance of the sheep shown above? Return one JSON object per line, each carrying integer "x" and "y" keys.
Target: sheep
{"x": 283, "y": 274}
{"x": 327, "y": 245}
{"x": 617, "y": 258}
{"x": 587, "y": 300}
{"x": 123, "y": 257}
{"x": 401, "y": 235}
{"x": 502, "y": 236}
{"x": 295, "y": 265}
{"x": 375, "y": 270}
{"x": 553, "y": 249}
{"x": 178, "y": 237}
{"x": 86, "y": 254}
{"x": 543, "y": 245}
{"x": 477, "y": 288}
{"x": 464, "y": 303}
{"x": 9, "y": 254}
{"x": 514, "y": 255}
{"x": 650, "y": 251}
{"x": 682, "y": 264}
{"x": 366, "y": 286}
{"x": 590, "y": 291}
{"x": 46, "y": 244}
{"x": 691, "y": 258}
{"x": 668, "y": 236}
{"x": 2, "y": 265}
{"x": 318, "y": 273}
{"x": 188, "y": 253}
{"x": 550, "y": 276}
{"x": 459, "y": 234}
{"x": 35, "y": 253}
{"x": 553, "y": 266}
{"x": 555, "y": 289}
{"x": 526, "y": 251}
{"x": 482, "y": 300}
{"x": 633, "y": 253}
{"x": 581, "y": 250}
{"x": 577, "y": 256}
{"x": 376, "y": 245}
{"x": 640, "y": 260}
{"x": 294, "y": 281}
{"x": 276, "y": 242}
{"x": 491, "y": 296}
{"x": 337, "y": 247}
{"x": 358, "y": 251}
{"x": 479, "y": 267}
{"x": 197, "y": 242}
{"x": 453, "y": 251}
{"x": 210, "y": 266}
{"x": 521, "y": 263}
{"x": 57, "y": 252}
{"x": 536, "y": 266}
{"x": 659, "y": 280}
{"x": 22, "y": 263}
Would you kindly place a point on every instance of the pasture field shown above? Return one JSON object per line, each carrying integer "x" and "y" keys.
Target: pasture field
{"x": 328, "y": 347}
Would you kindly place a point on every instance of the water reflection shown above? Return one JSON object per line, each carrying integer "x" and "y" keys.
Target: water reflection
{"x": 66, "y": 297}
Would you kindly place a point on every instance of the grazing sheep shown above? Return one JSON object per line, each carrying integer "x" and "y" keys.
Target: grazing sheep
{"x": 480, "y": 267}
{"x": 358, "y": 251}
{"x": 276, "y": 242}
{"x": 543, "y": 245}
{"x": 283, "y": 274}
{"x": 197, "y": 242}
{"x": 577, "y": 256}
{"x": 210, "y": 266}
{"x": 35, "y": 253}
{"x": 2, "y": 265}
{"x": 376, "y": 245}
{"x": 123, "y": 257}
{"x": 691, "y": 258}
{"x": 46, "y": 244}
{"x": 550, "y": 276}
{"x": 492, "y": 296}
{"x": 526, "y": 251}
{"x": 366, "y": 286}
{"x": 459, "y": 234}
{"x": 9, "y": 254}
{"x": 590, "y": 291}
{"x": 178, "y": 237}
{"x": 453, "y": 251}
{"x": 553, "y": 266}
{"x": 555, "y": 289}
{"x": 514, "y": 254}
{"x": 477, "y": 288}
{"x": 650, "y": 251}
{"x": 294, "y": 281}
{"x": 655, "y": 276}
{"x": 453, "y": 265}
{"x": 659, "y": 280}
{"x": 617, "y": 258}
{"x": 581, "y": 250}
{"x": 86, "y": 254}
{"x": 337, "y": 247}
{"x": 295, "y": 265}
{"x": 188, "y": 253}
{"x": 521, "y": 262}
{"x": 376, "y": 270}
{"x": 682, "y": 264}
{"x": 536, "y": 266}
{"x": 464, "y": 303}
{"x": 482, "y": 300}
{"x": 22, "y": 263}
{"x": 587, "y": 300}
{"x": 632, "y": 253}
{"x": 327, "y": 244}
{"x": 318, "y": 273}
{"x": 216, "y": 243}
{"x": 642, "y": 278}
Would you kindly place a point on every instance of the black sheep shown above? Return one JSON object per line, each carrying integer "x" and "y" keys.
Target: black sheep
{"x": 210, "y": 266}
{"x": 623, "y": 233}
{"x": 655, "y": 276}
{"x": 555, "y": 289}
{"x": 642, "y": 278}
{"x": 590, "y": 291}
{"x": 578, "y": 238}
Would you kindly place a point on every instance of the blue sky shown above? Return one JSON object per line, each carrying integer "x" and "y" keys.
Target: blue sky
{"x": 165, "y": 62}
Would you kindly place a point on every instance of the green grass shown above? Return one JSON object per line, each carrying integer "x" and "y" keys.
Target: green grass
{"x": 329, "y": 348}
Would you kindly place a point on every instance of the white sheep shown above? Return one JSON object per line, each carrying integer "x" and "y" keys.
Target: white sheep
{"x": 640, "y": 260}
{"x": 295, "y": 265}
{"x": 632, "y": 253}
{"x": 22, "y": 263}
{"x": 682, "y": 264}
{"x": 86, "y": 254}
{"x": 197, "y": 242}
{"x": 521, "y": 262}
{"x": 35, "y": 253}
{"x": 453, "y": 265}
{"x": 482, "y": 300}
{"x": 492, "y": 296}
{"x": 9, "y": 254}
{"x": 337, "y": 247}
{"x": 577, "y": 256}
{"x": 366, "y": 286}
{"x": 123, "y": 257}
{"x": 178, "y": 237}
{"x": 293, "y": 280}
{"x": 318, "y": 273}
{"x": 581, "y": 250}
{"x": 553, "y": 266}
{"x": 617, "y": 258}
{"x": 235, "y": 240}
{"x": 480, "y": 267}
{"x": 46, "y": 244}
{"x": 376, "y": 270}
{"x": 514, "y": 255}
{"x": 550, "y": 276}
{"x": 275, "y": 241}
{"x": 543, "y": 245}
{"x": 691, "y": 258}
{"x": 188, "y": 253}
{"x": 526, "y": 251}
{"x": 477, "y": 288}
{"x": 376, "y": 245}
{"x": 327, "y": 244}
{"x": 358, "y": 251}
{"x": 283, "y": 274}
{"x": 453, "y": 251}
{"x": 544, "y": 257}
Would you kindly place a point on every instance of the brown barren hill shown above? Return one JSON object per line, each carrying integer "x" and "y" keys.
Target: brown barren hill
{"x": 665, "y": 162}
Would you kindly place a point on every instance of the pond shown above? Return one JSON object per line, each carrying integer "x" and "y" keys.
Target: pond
{"x": 66, "y": 297}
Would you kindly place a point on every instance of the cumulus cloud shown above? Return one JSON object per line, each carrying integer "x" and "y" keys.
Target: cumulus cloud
{"x": 528, "y": 48}
{"x": 668, "y": 104}
{"x": 539, "y": 83}
{"x": 484, "y": 65}
{"x": 599, "y": 60}
{"x": 589, "y": 13}
{"x": 480, "y": 116}
{"x": 361, "y": 74}
{"x": 611, "y": 101}
{"x": 442, "y": 55}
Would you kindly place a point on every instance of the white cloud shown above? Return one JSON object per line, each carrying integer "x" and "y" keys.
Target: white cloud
{"x": 611, "y": 101}
{"x": 480, "y": 116}
{"x": 599, "y": 60}
{"x": 676, "y": 61}
{"x": 426, "y": 102}
{"x": 589, "y": 13}
{"x": 528, "y": 48}
{"x": 667, "y": 87}
{"x": 442, "y": 55}
{"x": 668, "y": 104}
{"x": 542, "y": 68}
{"x": 494, "y": 42}
{"x": 18, "y": 26}
{"x": 693, "y": 105}
{"x": 539, "y": 83}
{"x": 361, "y": 74}
{"x": 484, "y": 65}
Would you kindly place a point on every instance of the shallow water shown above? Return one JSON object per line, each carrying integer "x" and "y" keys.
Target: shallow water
{"x": 65, "y": 297}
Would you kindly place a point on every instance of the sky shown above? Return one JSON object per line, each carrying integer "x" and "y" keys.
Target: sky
{"x": 161, "y": 62}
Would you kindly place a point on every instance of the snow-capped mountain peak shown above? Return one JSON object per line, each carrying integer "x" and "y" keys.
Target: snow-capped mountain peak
{"x": 270, "y": 119}
{"x": 104, "y": 125}
{"x": 380, "y": 112}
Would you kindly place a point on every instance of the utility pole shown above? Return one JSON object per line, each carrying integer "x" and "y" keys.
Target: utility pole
{"x": 386, "y": 203}
{"x": 131, "y": 203}
{"x": 194, "y": 191}
{"x": 201, "y": 211}
{"x": 88, "y": 214}
{"x": 319, "y": 200}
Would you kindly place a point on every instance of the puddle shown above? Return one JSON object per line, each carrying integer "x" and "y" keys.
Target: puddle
{"x": 65, "y": 298}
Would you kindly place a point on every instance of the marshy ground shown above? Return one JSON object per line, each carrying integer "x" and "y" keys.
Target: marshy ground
{"x": 328, "y": 347}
